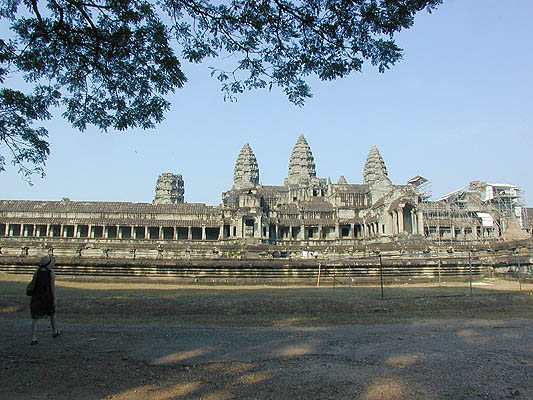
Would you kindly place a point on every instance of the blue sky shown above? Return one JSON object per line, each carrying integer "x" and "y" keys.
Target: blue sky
{"x": 457, "y": 108}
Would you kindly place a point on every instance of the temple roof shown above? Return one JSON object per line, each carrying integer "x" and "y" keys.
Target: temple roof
{"x": 399, "y": 201}
{"x": 350, "y": 188}
{"x": 316, "y": 205}
{"x": 32, "y": 206}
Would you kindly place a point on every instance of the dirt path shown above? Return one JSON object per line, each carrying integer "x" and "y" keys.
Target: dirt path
{"x": 456, "y": 359}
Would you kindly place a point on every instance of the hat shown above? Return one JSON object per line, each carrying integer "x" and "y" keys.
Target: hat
{"x": 47, "y": 261}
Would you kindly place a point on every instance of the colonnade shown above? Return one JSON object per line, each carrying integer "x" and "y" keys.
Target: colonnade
{"x": 406, "y": 220}
{"x": 99, "y": 231}
{"x": 249, "y": 227}
{"x": 466, "y": 232}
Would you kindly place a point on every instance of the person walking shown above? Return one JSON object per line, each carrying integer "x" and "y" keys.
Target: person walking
{"x": 44, "y": 300}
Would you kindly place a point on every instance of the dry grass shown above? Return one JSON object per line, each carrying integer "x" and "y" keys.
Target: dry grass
{"x": 123, "y": 301}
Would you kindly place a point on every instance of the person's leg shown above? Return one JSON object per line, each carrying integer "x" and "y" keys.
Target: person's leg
{"x": 53, "y": 323}
{"x": 34, "y": 330}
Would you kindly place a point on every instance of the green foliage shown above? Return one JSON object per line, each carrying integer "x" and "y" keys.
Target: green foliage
{"x": 109, "y": 63}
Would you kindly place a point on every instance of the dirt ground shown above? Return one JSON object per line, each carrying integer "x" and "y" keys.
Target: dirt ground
{"x": 457, "y": 359}
{"x": 448, "y": 358}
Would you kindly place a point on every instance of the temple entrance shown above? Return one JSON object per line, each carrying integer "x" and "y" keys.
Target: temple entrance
{"x": 408, "y": 218}
{"x": 249, "y": 227}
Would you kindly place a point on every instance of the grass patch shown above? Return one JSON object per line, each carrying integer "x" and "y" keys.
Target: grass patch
{"x": 120, "y": 302}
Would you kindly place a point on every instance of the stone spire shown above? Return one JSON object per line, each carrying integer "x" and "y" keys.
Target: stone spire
{"x": 301, "y": 164}
{"x": 375, "y": 169}
{"x": 342, "y": 180}
{"x": 169, "y": 189}
{"x": 246, "y": 173}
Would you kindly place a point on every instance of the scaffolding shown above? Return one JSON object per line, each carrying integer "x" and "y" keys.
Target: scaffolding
{"x": 493, "y": 205}
{"x": 423, "y": 186}
{"x": 446, "y": 221}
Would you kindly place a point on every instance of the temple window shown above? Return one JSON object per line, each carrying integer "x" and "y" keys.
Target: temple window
{"x": 345, "y": 230}
{"x": 125, "y": 232}
{"x": 28, "y": 230}
{"x": 196, "y": 233}
{"x": 14, "y": 229}
{"x": 68, "y": 230}
{"x": 295, "y": 232}
{"x": 212, "y": 233}
{"x": 153, "y": 232}
{"x": 97, "y": 231}
{"x": 55, "y": 230}
{"x": 183, "y": 233}
{"x": 168, "y": 233}
{"x": 139, "y": 232}
{"x": 111, "y": 232}
{"x": 40, "y": 230}
{"x": 83, "y": 231}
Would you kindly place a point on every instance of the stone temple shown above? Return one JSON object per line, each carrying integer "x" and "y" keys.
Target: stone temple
{"x": 303, "y": 212}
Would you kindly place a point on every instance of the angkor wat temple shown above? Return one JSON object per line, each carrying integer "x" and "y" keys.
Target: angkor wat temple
{"x": 305, "y": 213}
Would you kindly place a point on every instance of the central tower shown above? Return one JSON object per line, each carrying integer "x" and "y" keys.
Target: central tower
{"x": 246, "y": 172}
{"x": 301, "y": 164}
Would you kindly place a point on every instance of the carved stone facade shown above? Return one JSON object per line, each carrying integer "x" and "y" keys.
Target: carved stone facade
{"x": 311, "y": 209}
{"x": 305, "y": 210}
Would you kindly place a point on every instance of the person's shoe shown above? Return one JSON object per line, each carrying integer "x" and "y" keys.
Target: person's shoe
{"x": 34, "y": 342}
{"x": 57, "y": 333}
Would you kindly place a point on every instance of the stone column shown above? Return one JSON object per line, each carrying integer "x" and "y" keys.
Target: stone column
{"x": 189, "y": 233}
{"x": 401, "y": 226}
{"x": 420, "y": 222}
{"x": 203, "y": 233}
{"x": 260, "y": 228}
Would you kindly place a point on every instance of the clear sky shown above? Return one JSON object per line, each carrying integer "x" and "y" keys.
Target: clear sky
{"x": 457, "y": 108}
